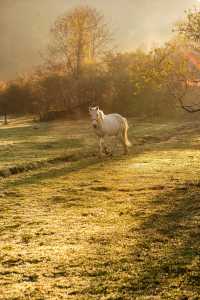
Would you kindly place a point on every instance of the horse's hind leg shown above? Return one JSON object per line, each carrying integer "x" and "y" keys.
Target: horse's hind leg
{"x": 116, "y": 140}
{"x": 125, "y": 148}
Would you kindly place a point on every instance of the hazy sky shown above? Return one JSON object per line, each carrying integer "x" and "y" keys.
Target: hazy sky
{"x": 25, "y": 24}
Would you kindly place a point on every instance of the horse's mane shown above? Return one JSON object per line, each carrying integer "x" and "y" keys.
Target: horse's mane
{"x": 101, "y": 114}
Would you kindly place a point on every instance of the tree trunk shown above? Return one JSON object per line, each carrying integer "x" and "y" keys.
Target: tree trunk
{"x": 5, "y": 118}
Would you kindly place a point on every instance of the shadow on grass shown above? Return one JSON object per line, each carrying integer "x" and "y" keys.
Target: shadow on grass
{"x": 166, "y": 258}
{"x": 187, "y": 139}
{"x": 171, "y": 244}
{"x": 174, "y": 140}
{"x": 59, "y": 143}
{"x": 88, "y": 158}
{"x": 57, "y": 170}
{"x": 60, "y": 169}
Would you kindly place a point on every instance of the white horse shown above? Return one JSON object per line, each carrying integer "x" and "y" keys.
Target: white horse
{"x": 109, "y": 125}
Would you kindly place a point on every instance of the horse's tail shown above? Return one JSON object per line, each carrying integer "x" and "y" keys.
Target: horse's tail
{"x": 125, "y": 133}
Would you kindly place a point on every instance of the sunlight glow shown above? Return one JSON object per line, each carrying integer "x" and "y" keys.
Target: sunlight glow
{"x": 193, "y": 58}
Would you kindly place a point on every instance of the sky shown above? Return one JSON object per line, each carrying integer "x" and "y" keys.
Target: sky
{"x": 25, "y": 26}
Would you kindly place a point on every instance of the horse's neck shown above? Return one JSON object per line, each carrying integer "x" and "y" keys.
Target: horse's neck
{"x": 102, "y": 116}
{"x": 101, "y": 121}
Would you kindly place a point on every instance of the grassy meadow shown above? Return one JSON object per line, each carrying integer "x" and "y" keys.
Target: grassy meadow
{"x": 74, "y": 226}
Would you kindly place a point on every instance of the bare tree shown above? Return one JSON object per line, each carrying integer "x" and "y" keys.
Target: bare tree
{"x": 181, "y": 94}
{"x": 189, "y": 29}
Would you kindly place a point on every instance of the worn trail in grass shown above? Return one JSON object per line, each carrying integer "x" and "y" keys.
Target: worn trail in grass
{"x": 120, "y": 228}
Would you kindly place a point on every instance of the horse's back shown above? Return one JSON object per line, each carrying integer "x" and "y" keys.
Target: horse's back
{"x": 115, "y": 116}
{"x": 113, "y": 123}
{"x": 119, "y": 118}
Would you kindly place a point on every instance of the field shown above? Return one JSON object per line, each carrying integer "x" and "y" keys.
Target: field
{"x": 74, "y": 226}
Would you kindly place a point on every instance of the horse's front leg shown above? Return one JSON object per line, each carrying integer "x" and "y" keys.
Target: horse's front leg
{"x": 101, "y": 142}
{"x": 102, "y": 147}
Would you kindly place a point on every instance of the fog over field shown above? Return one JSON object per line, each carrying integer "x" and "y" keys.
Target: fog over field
{"x": 25, "y": 25}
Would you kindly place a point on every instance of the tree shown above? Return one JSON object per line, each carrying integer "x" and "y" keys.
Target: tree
{"x": 3, "y": 102}
{"x": 77, "y": 38}
{"x": 189, "y": 29}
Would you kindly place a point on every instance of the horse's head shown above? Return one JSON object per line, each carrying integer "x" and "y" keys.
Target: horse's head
{"x": 95, "y": 114}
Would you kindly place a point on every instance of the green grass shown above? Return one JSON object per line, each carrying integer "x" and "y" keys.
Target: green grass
{"x": 28, "y": 142}
{"x": 125, "y": 227}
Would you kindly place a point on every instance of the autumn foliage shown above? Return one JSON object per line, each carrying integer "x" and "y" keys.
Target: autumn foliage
{"x": 82, "y": 68}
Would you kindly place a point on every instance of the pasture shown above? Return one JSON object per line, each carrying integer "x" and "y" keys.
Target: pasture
{"x": 73, "y": 226}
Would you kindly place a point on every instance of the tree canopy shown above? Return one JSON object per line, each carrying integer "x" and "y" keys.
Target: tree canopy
{"x": 78, "y": 37}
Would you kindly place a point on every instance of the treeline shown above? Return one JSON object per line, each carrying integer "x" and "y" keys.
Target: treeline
{"x": 135, "y": 84}
{"x": 81, "y": 69}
